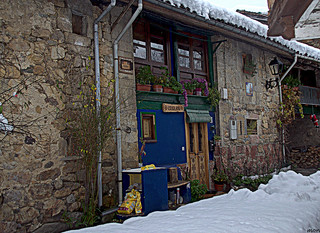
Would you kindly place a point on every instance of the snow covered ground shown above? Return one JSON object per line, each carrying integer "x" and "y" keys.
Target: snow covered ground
{"x": 290, "y": 202}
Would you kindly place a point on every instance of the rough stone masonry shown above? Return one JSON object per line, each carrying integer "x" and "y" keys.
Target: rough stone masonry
{"x": 43, "y": 58}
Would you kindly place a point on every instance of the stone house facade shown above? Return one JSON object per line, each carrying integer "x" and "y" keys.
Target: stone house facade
{"x": 46, "y": 49}
{"x": 249, "y": 151}
{"x": 44, "y": 55}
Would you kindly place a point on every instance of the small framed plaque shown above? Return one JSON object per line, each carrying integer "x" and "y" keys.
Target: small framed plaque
{"x": 125, "y": 65}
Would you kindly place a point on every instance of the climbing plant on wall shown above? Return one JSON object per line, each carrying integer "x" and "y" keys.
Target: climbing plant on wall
{"x": 90, "y": 132}
{"x": 290, "y": 105}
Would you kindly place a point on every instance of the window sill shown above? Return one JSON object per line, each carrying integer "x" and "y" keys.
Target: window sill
{"x": 150, "y": 141}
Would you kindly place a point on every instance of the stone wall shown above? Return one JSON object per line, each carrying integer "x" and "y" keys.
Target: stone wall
{"x": 42, "y": 63}
{"x": 303, "y": 134}
{"x": 248, "y": 154}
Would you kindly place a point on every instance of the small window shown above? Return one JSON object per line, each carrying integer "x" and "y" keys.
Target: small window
{"x": 148, "y": 127}
{"x": 248, "y": 65}
{"x": 78, "y": 25}
{"x": 252, "y": 127}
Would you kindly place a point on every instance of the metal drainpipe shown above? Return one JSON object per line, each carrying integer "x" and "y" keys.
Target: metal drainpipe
{"x": 117, "y": 94}
{"x": 98, "y": 103}
{"x": 280, "y": 98}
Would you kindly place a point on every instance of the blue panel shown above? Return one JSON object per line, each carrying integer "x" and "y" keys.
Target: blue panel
{"x": 125, "y": 183}
{"x": 170, "y": 139}
{"x": 155, "y": 190}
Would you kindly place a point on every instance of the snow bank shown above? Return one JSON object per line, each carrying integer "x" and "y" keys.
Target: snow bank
{"x": 290, "y": 202}
{"x": 208, "y": 10}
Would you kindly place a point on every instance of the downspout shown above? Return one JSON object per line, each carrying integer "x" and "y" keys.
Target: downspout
{"x": 117, "y": 94}
{"x": 98, "y": 103}
{"x": 280, "y": 98}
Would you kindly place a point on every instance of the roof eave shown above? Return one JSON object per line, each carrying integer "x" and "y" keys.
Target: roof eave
{"x": 183, "y": 15}
{"x": 284, "y": 15}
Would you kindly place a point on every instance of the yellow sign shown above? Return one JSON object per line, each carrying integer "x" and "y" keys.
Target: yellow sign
{"x": 125, "y": 65}
{"x": 172, "y": 107}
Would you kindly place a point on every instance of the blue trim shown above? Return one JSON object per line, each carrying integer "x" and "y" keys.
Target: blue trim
{"x": 172, "y": 52}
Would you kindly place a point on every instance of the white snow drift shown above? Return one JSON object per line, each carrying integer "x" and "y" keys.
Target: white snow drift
{"x": 290, "y": 202}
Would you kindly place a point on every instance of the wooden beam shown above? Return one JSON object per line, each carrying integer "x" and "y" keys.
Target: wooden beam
{"x": 283, "y": 9}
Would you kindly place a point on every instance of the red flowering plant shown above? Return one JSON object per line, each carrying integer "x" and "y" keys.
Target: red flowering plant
{"x": 202, "y": 84}
{"x": 187, "y": 85}
{"x": 191, "y": 85}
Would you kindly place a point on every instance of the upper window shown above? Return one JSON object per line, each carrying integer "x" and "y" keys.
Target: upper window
{"x": 248, "y": 65}
{"x": 192, "y": 56}
{"x": 153, "y": 46}
{"x": 150, "y": 46}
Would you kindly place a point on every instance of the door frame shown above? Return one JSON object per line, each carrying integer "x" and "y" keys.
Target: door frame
{"x": 205, "y": 147}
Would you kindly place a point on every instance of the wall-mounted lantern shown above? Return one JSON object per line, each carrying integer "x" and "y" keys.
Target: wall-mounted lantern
{"x": 276, "y": 67}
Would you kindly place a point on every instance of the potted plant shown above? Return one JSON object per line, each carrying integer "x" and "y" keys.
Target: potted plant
{"x": 220, "y": 178}
{"x": 169, "y": 84}
{"x": 166, "y": 80}
{"x": 174, "y": 86}
{"x": 188, "y": 86}
{"x": 197, "y": 190}
{"x": 144, "y": 78}
{"x": 187, "y": 89}
{"x": 157, "y": 83}
{"x": 201, "y": 86}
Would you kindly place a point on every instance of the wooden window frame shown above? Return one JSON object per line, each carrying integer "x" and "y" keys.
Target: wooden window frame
{"x": 149, "y": 116}
{"x": 182, "y": 72}
{"x": 148, "y": 61}
{"x": 251, "y": 132}
{"x": 194, "y": 72}
{"x": 248, "y": 66}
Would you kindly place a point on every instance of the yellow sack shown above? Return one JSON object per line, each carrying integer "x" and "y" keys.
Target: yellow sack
{"x": 148, "y": 167}
{"x": 132, "y": 202}
{"x": 126, "y": 207}
{"x": 138, "y": 206}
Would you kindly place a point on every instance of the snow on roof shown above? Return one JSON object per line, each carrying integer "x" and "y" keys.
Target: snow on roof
{"x": 208, "y": 10}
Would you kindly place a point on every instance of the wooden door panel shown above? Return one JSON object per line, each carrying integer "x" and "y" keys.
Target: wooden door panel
{"x": 198, "y": 155}
{"x": 193, "y": 167}
{"x": 202, "y": 169}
